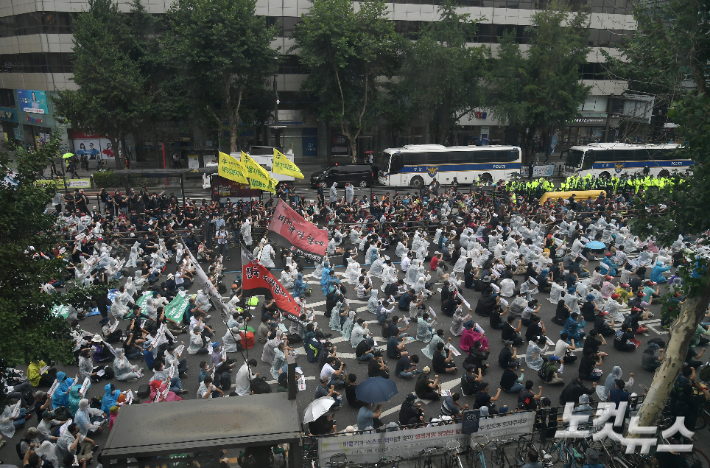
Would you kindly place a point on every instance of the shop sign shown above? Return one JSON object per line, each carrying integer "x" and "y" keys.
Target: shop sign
{"x": 8, "y": 114}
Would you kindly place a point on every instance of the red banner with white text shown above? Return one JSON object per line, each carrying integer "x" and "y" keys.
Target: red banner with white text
{"x": 257, "y": 280}
{"x": 292, "y": 231}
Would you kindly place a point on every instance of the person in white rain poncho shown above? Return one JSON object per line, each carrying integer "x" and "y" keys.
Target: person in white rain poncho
{"x": 245, "y": 231}
{"x": 244, "y": 377}
{"x": 373, "y": 303}
{"x": 377, "y": 267}
{"x": 133, "y": 256}
{"x": 272, "y": 342}
{"x": 202, "y": 301}
{"x": 124, "y": 370}
{"x": 430, "y": 349}
{"x": 231, "y": 340}
{"x": 556, "y": 291}
{"x": 349, "y": 193}
{"x": 458, "y": 320}
{"x": 389, "y": 274}
{"x": 507, "y": 287}
{"x": 333, "y": 194}
{"x": 287, "y": 279}
{"x": 353, "y": 272}
{"x": 401, "y": 251}
{"x": 267, "y": 256}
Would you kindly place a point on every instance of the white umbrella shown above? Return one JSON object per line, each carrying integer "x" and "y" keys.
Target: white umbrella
{"x": 317, "y": 408}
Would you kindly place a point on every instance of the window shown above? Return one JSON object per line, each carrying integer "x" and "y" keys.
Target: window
{"x": 36, "y": 63}
{"x": 574, "y": 158}
{"x": 7, "y": 98}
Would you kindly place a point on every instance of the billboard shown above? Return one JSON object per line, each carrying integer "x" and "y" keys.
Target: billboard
{"x": 33, "y": 102}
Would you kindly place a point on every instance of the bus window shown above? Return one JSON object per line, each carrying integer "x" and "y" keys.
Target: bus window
{"x": 574, "y": 158}
{"x": 588, "y": 159}
{"x": 396, "y": 163}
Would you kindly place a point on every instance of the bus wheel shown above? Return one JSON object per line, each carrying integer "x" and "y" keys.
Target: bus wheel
{"x": 486, "y": 177}
{"x": 605, "y": 175}
{"x": 663, "y": 173}
{"x": 363, "y": 183}
{"x": 417, "y": 182}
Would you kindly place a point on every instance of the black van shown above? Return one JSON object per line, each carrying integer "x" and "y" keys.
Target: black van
{"x": 361, "y": 175}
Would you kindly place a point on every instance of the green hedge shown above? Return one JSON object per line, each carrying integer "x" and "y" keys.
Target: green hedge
{"x": 111, "y": 179}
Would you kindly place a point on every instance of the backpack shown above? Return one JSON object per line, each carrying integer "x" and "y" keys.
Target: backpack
{"x": 143, "y": 391}
{"x": 547, "y": 371}
{"x": 225, "y": 381}
{"x": 259, "y": 385}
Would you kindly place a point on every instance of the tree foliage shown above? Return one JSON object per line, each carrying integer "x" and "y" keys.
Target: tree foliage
{"x": 441, "y": 73}
{"x": 672, "y": 47}
{"x": 540, "y": 88}
{"x": 346, "y": 52}
{"x": 28, "y": 329}
{"x": 112, "y": 98}
{"x": 221, "y": 51}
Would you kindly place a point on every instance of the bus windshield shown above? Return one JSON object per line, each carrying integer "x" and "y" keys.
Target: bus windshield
{"x": 574, "y": 158}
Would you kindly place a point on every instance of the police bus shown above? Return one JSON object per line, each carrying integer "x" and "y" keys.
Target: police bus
{"x": 416, "y": 165}
{"x": 609, "y": 159}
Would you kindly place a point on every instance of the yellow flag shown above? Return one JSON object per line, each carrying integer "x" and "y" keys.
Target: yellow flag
{"x": 269, "y": 186}
{"x": 282, "y": 165}
{"x": 254, "y": 170}
{"x": 230, "y": 168}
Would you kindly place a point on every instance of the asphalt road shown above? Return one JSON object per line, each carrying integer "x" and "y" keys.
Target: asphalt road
{"x": 630, "y": 362}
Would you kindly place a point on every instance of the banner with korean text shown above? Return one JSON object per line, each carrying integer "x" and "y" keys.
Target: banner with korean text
{"x": 257, "y": 280}
{"x": 292, "y": 231}
{"x": 370, "y": 448}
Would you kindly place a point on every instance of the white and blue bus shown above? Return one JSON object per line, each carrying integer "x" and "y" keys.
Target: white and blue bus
{"x": 608, "y": 159}
{"x": 416, "y": 165}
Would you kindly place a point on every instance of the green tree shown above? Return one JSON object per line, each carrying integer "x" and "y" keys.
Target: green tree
{"x": 222, "y": 52}
{"x": 346, "y": 52}
{"x": 441, "y": 74}
{"x": 540, "y": 89}
{"x": 29, "y": 331}
{"x": 671, "y": 49}
{"x": 111, "y": 99}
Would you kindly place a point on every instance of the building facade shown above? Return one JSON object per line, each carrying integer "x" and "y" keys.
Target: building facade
{"x": 36, "y": 61}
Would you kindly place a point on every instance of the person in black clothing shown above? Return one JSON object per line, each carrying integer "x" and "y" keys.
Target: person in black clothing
{"x": 441, "y": 363}
{"x": 470, "y": 380}
{"x": 495, "y": 319}
{"x": 637, "y": 282}
{"x": 543, "y": 283}
{"x": 510, "y": 333}
{"x": 624, "y": 339}
{"x": 427, "y": 389}
{"x": 484, "y": 399}
{"x": 411, "y": 412}
{"x": 593, "y": 342}
{"x": 589, "y": 361}
{"x": 350, "y": 392}
{"x": 604, "y": 327}
{"x": 507, "y": 355}
{"x": 449, "y": 306}
{"x": 561, "y": 313}
{"x": 589, "y": 309}
{"x": 377, "y": 368}
{"x": 469, "y": 273}
{"x": 574, "y": 389}
{"x": 536, "y": 328}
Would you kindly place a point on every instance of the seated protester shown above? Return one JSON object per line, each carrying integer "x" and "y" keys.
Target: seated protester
{"x": 649, "y": 361}
{"x": 427, "y": 389}
{"x": 603, "y": 326}
{"x": 588, "y": 365}
{"x": 532, "y": 308}
{"x": 477, "y": 356}
{"x": 321, "y": 426}
{"x": 406, "y": 366}
{"x": 314, "y": 347}
{"x": 526, "y": 398}
{"x": 364, "y": 351}
{"x": 405, "y": 300}
{"x": 411, "y": 412}
{"x": 562, "y": 313}
{"x": 484, "y": 399}
{"x": 350, "y": 392}
{"x": 470, "y": 380}
{"x": 326, "y": 388}
{"x": 376, "y": 367}
{"x": 593, "y": 341}
{"x": 451, "y": 406}
{"x": 589, "y": 309}
{"x": 486, "y": 303}
{"x": 575, "y": 389}
{"x": 507, "y": 355}
{"x": 549, "y": 373}
{"x": 563, "y": 350}
{"x": 511, "y": 333}
{"x": 510, "y": 382}
{"x": 692, "y": 359}
{"x": 497, "y": 313}
{"x": 536, "y": 328}
{"x": 395, "y": 345}
{"x": 443, "y": 364}
{"x": 624, "y": 339}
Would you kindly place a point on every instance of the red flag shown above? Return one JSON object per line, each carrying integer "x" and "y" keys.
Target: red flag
{"x": 291, "y": 230}
{"x": 257, "y": 280}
